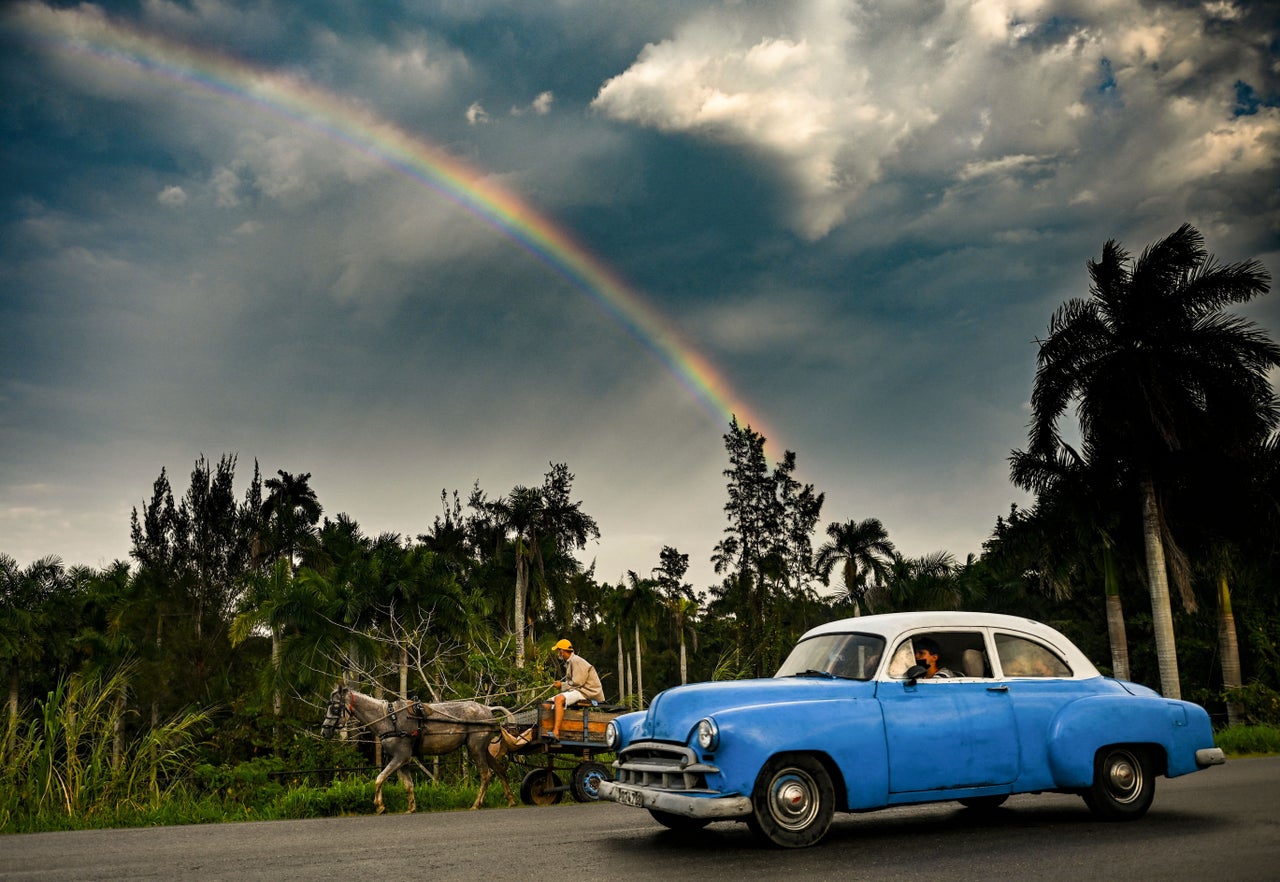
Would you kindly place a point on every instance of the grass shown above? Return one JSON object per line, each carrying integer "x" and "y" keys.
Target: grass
{"x": 1249, "y": 740}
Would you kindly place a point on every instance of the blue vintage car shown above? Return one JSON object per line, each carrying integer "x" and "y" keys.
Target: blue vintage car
{"x": 853, "y": 722}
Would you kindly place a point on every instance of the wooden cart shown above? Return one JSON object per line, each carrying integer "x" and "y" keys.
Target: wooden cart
{"x": 569, "y": 765}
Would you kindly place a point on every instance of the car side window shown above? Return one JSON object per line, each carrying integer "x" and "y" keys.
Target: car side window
{"x": 1020, "y": 657}
{"x": 960, "y": 654}
{"x": 903, "y": 657}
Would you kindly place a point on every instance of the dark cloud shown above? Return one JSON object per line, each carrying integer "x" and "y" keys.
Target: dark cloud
{"x": 862, "y": 215}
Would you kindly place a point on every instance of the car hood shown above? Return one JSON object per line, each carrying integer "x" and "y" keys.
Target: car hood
{"x": 674, "y": 713}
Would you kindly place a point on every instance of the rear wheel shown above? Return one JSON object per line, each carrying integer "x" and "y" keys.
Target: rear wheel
{"x": 793, "y": 801}
{"x": 536, "y": 788}
{"x": 1123, "y": 784}
{"x": 679, "y": 823}
{"x": 586, "y": 781}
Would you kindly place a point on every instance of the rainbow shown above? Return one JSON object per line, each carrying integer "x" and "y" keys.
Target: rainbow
{"x": 87, "y": 35}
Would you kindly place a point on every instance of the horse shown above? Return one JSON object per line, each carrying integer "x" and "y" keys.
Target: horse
{"x": 410, "y": 728}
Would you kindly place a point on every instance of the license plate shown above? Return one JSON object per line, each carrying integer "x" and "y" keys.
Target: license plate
{"x": 628, "y": 797}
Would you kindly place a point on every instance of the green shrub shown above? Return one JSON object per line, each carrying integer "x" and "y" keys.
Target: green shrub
{"x": 1245, "y": 740}
{"x": 1259, "y": 702}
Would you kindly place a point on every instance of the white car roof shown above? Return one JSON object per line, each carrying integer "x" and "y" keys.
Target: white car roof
{"x": 894, "y": 626}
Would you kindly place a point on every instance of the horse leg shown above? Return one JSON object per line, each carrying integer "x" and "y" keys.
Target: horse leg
{"x": 377, "y": 790}
{"x": 497, "y": 759}
{"x": 399, "y": 757}
{"x": 506, "y": 785}
{"x": 407, "y": 780}
{"x": 478, "y": 747}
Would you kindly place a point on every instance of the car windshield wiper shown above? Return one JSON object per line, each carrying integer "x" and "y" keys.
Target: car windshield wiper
{"x": 811, "y": 672}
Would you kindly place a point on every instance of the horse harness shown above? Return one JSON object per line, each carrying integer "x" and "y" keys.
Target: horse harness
{"x": 418, "y": 714}
{"x": 415, "y": 711}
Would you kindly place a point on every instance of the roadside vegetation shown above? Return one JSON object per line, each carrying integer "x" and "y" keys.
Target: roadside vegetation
{"x": 187, "y": 684}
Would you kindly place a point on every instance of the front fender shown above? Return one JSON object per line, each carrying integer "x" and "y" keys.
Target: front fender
{"x": 627, "y": 724}
{"x": 848, "y": 732}
{"x": 1078, "y": 730}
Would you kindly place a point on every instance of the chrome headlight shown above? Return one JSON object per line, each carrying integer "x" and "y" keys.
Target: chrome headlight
{"x": 708, "y": 734}
{"x": 611, "y": 735}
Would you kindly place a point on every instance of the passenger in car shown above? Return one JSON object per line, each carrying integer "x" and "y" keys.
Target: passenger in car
{"x": 927, "y": 651}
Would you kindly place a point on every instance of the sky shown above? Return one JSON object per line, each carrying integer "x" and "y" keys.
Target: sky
{"x": 409, "y": 247}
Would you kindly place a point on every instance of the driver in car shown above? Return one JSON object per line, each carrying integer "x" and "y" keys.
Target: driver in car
{"x": 927, "y": 650}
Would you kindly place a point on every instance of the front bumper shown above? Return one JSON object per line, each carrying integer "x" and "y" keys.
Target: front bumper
{"x": 705, "y": 807}
{"x": 1210, "y": 756}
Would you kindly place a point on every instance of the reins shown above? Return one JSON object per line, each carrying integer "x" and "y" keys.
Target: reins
{"x": 420, "y": 714}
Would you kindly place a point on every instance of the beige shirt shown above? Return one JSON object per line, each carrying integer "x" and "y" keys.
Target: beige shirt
{"x": 580, "y": 674}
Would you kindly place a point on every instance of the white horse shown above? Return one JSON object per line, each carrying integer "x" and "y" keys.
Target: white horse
{"x": 407, "y": 729}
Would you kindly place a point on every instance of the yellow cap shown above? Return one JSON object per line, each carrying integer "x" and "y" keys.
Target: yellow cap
{"x": 564, "y": 644}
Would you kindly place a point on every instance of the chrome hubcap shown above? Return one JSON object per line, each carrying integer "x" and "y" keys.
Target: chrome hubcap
{"x": 1124, "y": 777}
{"x": 793, "y": 800}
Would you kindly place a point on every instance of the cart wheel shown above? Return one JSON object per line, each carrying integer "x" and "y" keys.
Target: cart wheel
{"x": 586, "y": 781}
{"x": 537, "y": 788}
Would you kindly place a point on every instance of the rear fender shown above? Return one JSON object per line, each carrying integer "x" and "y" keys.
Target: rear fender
{"x": 1079, "y": 730}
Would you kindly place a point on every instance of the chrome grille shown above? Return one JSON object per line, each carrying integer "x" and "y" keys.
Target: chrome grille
{"x": 662, "y": 767}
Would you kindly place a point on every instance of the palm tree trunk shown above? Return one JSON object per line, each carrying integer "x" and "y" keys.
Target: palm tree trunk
{"x": 622, "y": 672}
{"x": 639, "y": 670}
{"x": 277, "y": 701}
{"x": 684, "y": 661}
{"x": 522, "y": 583}
{"x": 1158, "y": 583}
{"x": 1230, "y": 649}
{"x": 1115, "y": 616}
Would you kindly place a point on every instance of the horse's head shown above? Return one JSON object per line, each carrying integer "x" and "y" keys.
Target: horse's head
{"x": 333, "y": 713}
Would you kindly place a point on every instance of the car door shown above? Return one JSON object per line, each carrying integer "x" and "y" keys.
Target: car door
{"x": 944, "y": 734}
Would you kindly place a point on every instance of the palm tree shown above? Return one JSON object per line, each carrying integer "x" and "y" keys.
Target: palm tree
{"x": 863, "y": 551}
{"x": 1074, "y": 492}
{"x": 923, "y": 583}
{"x": 287, "y": 520}
{"x": 1155, "y": 368}
{"x": 290, "y": 513}
{"x": 677, "y": 595}
{"x": 518, "y": 514}
{"x": 24, "y": 596}
{"x": 643, "y": 604}
{"x": 547, "y": 529}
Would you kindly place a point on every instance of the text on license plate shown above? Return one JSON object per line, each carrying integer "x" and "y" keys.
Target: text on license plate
{"x": 629, "y": 797}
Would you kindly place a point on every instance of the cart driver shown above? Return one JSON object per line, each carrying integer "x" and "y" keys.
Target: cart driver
{"x": 580, "y": 683}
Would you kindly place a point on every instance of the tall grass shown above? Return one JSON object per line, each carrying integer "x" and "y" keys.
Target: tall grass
{"x": 1249, "y": 740}
{"x": 68, "y": 760}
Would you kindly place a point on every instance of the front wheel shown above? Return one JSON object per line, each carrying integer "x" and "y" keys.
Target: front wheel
{"x": 1123, "y": 784}
{"x": 537, "y": 788}
{"x": 793, "y": 801}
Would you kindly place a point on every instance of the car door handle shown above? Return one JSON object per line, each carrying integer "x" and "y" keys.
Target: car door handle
{"x": 1001, "y": 688}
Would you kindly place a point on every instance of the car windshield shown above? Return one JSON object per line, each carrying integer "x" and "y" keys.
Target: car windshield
{"x": 849, "y": 656}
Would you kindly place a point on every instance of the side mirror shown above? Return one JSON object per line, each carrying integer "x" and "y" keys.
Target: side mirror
{"x": 915, "y": 672}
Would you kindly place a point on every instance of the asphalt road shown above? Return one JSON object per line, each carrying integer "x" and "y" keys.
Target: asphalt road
{"x": 1220, "y": 824}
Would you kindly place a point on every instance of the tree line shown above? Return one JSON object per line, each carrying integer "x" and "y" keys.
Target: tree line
{"x": 251, "y": 605}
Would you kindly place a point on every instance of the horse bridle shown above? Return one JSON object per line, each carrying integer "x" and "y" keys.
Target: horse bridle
{"x": 335, "y": 709}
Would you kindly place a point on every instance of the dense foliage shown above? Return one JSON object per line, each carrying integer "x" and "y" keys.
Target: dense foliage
{"x": 200, "y": 667}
